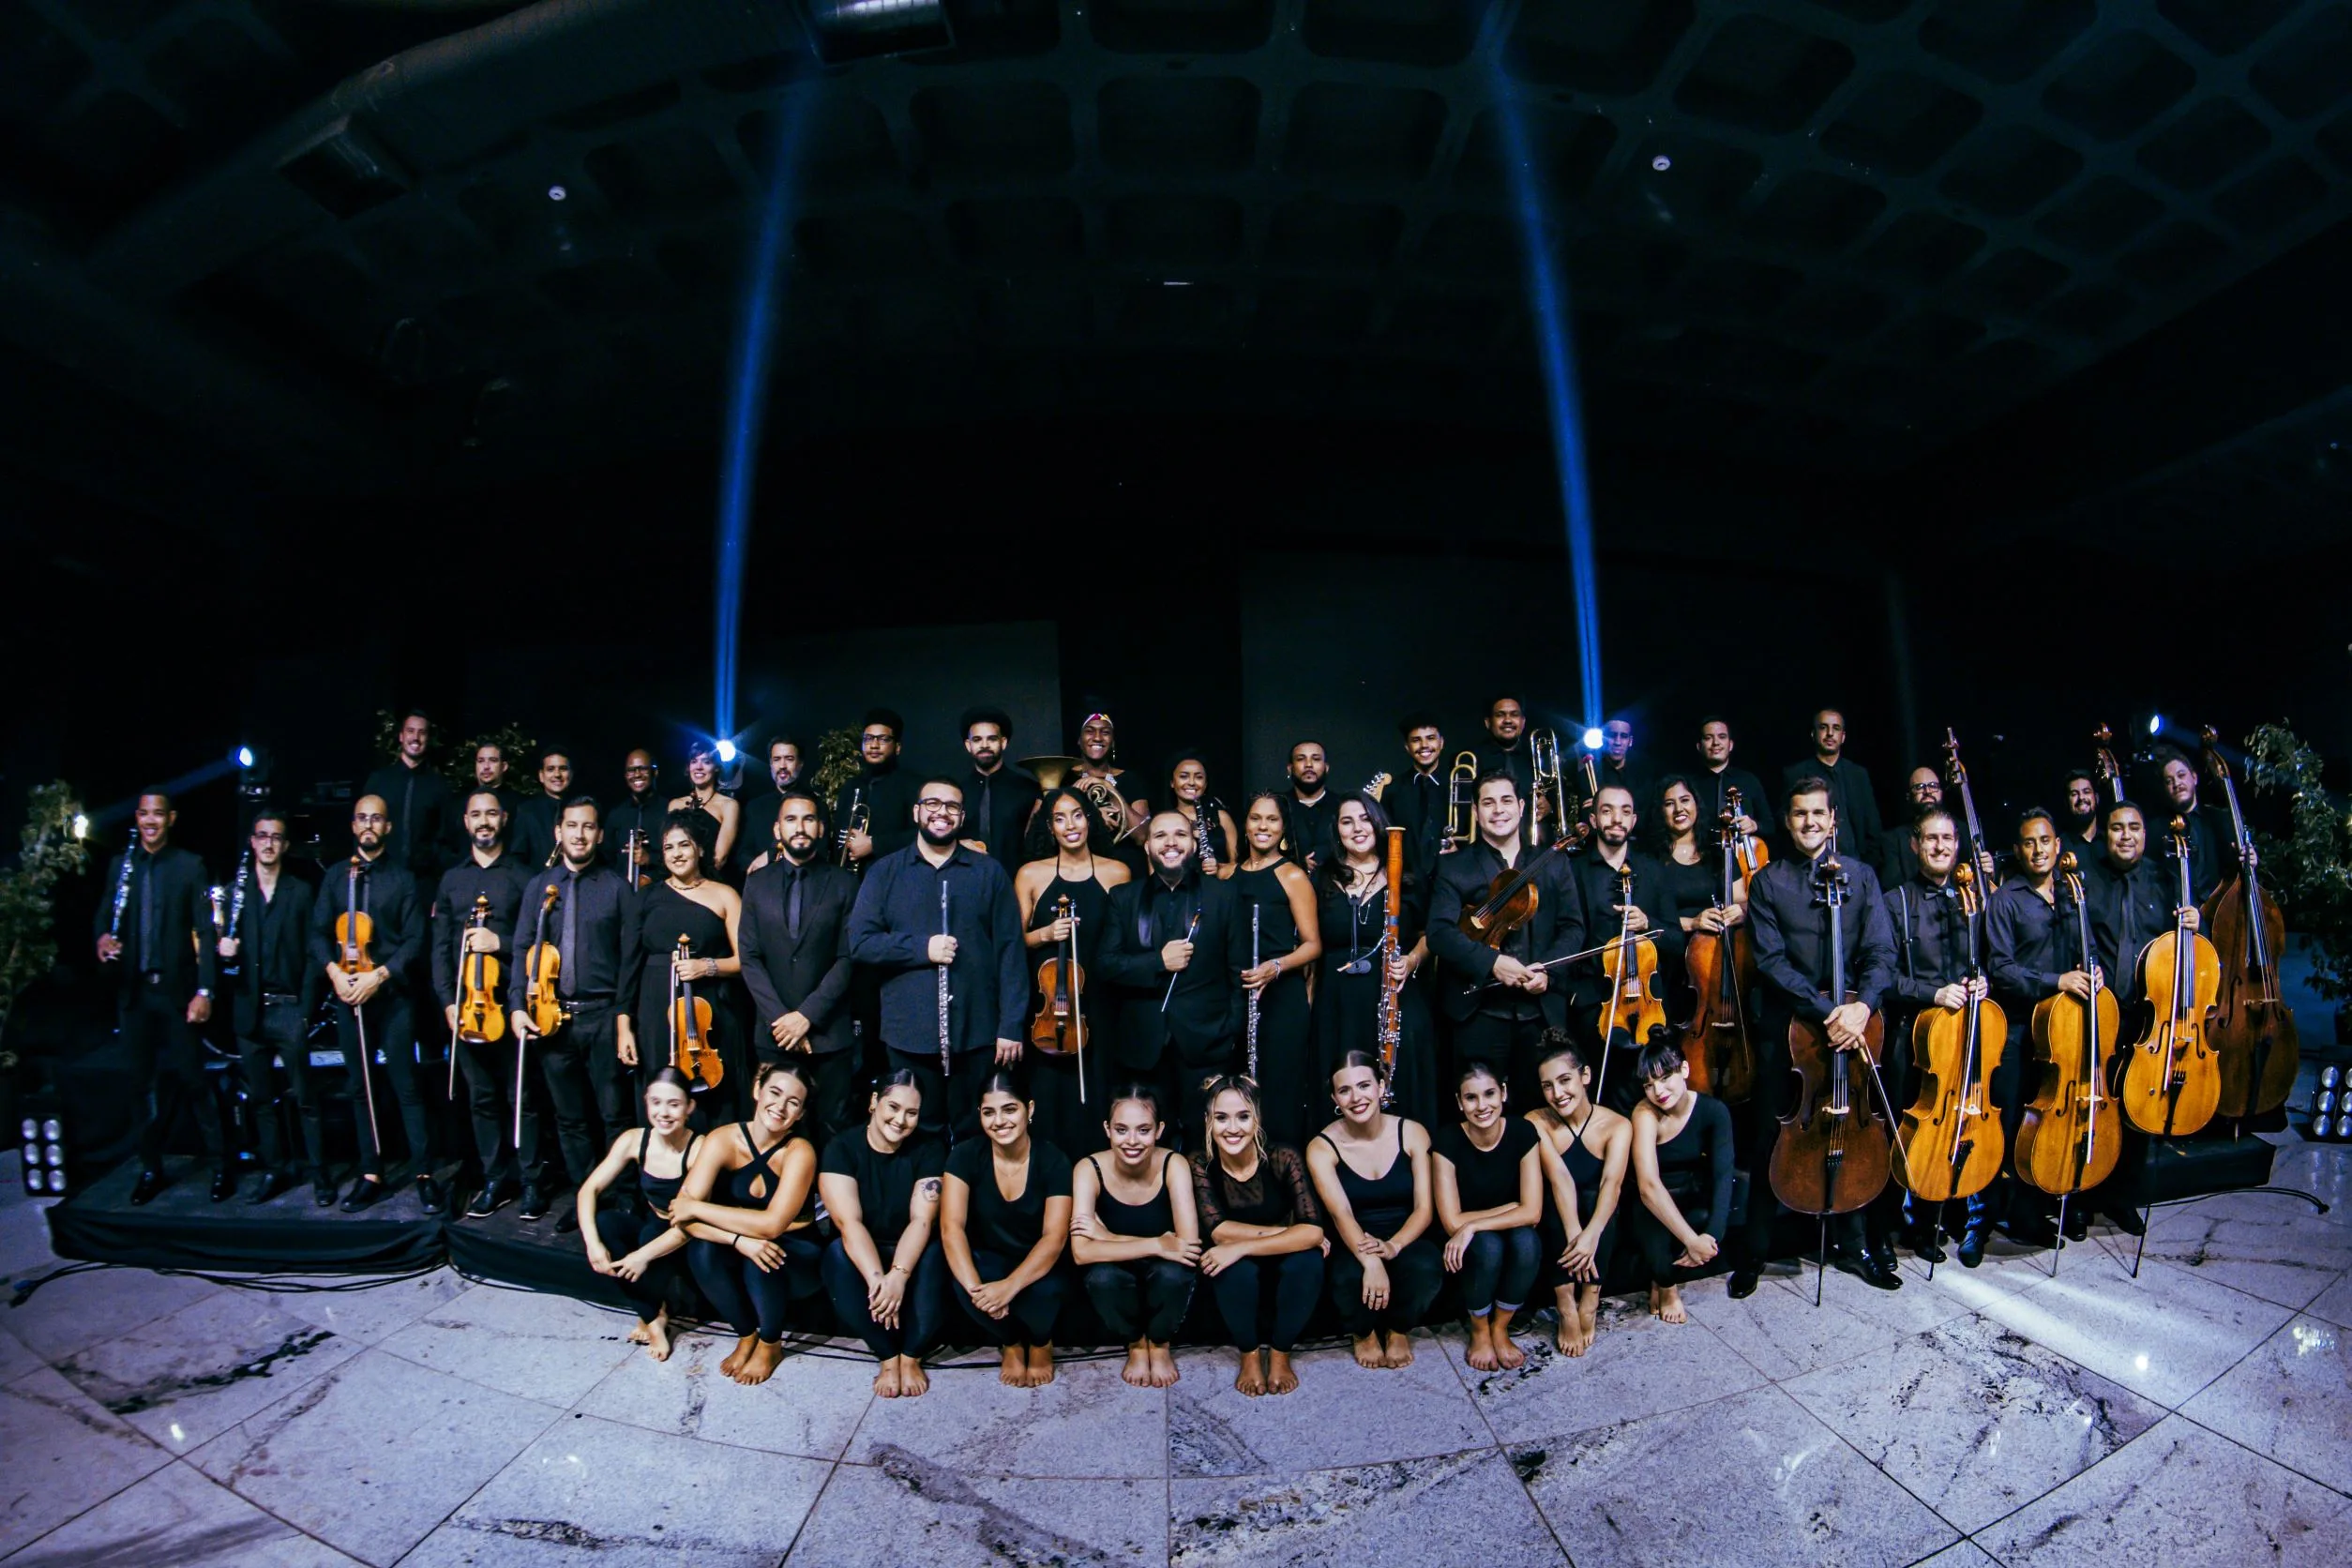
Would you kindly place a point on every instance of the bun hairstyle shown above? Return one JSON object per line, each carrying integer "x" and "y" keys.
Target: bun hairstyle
{"x": 898, "y": 1077}
{"x": 1476, "y": 1068}
{"x": 1005, "y": 1080}
{"x": 1352, "y": 1060}
{"x": 759, "y": 1080}
{"x": 1660, "y": 1058}
{"x": 1557, "y": 1043}
{"x": 670, "y": 1077}
{"x": 1238, "y": 1083}
{"x": 1136, "y": 1090}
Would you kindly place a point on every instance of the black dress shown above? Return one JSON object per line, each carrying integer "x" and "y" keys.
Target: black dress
{"x": 1063, "y": 1120}
{"x": 1689, "y": 889}
{"x": 1288, "y": 1085}
{"x": 1348, "y": 1006}
{"x": 667, "y": 915}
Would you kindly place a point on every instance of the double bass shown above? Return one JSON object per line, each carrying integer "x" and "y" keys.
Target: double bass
{"x": 1721, "y": 967}
{"x": 2253, "y": 1030}
{"x": 2172, "y": 1082}
{"x": 2104, "y": 763}
{"x": 1950, "y": 1141}
{"x": 2069, "y": 1139}
{"x": 1834, "y": 1150}
{"x": 692, "y": 1050}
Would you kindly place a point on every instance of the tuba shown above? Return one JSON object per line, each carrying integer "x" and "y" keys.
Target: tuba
{"x": 1101, "y": 795}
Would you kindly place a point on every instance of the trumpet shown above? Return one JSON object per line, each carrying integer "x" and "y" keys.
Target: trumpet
{"x": 1542, "y": 751}
{"x": 1461, "y": 782}
{"x": 861, "y": 820}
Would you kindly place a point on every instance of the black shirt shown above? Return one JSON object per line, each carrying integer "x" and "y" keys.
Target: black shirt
{"x": 1858, "y": 826}
{"x": 531, "y": 839}
{"x": 886, "y": 1182}
{"x": 167, "y": 920}
{"x": 2212, "y": 849}
{"x": 426, "y": 817}
{"x": 1698, "y": 1161}
{"x": 502, "y": 883}
{"x": 1931, "y": 945}
{"x": 274, "y": 950}
{"x": 889, "y": 795}
{"x": 1791, "y": 940}
{"x": 1485, "y": 1178}
{"x": 996, "y": 811}
{"x": 992, "y": 1222}
{"x": 1313, "y": 828}
{"x": 1417, "y": 803}
{"x": 891, "y": 927}
{"x": 2127, "y": 910}
{"x": 1653, "y": 895}
{"x": 1280, "y": 1193}
{"x": 1712, "y": 791}
{"x": 386, "y": 894}
{"x": 648, "y": 813}
{"x": 601, "y": 960}
{"x": 1556, "y": 929}
{"x": 2033, "y": 942}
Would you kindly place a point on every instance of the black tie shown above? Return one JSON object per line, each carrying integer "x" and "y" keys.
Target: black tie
{"x": 791, "y": 904}
{"x": 567, "y": 974}
{"x": 408, "y": 799}
{"x": 147, "y": 914}
{"x": 987, "y": 824}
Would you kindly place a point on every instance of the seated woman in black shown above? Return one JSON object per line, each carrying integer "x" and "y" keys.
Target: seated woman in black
{"x": 1264, "y": 1260}
{"x": 1135, "y": 1235}
{"x": 638, "y": 1228}
{"x": 745, "y": 1205}
{"x": 1586, "y": 1149}
{"x": 1488, "y": 1177}
{"x": 1682, "y": 1165}
{"x": 1004, "y": 1219}
{"x": 881, "y": 1184}
{"x": 1383, "y": 1271}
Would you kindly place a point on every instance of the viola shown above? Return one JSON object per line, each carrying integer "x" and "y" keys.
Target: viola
{"x": 1834, "y": 1150}
{"x": 1060, "y": 1027}
{"x": 1511, "y": 898}
{"x": 691, "y": 1050}
{"x": 1630, "y": 969}
{"x": 1951, "y": 1140}
{"x": 480, "y": 1019}
{"x": 1752, "y": 856}
{"x": 2172, "y": 1080}
{"x": 544, "y": 964}
{"x": 1721, "y": 965}
{"x": 355, "y": 929}
{"x": 2253, "y": 1030}
{"x": 2069, "y": 1138}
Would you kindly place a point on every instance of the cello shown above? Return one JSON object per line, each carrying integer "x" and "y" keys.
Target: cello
{"x": 480, "y": 1019}
{"x": 2253, "y": 1031}
{"x": 691, "y": 1050}
{"x": 2069, "y": 1139}
{"x": 1951, "y": 1140}
{"x": 1720, "y": 964}
{"x": 2172, "y": 1084}
{"x": 1833, "y": 1154}
{"x": 2102, "y": 764}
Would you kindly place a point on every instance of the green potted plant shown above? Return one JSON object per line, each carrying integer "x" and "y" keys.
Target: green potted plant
{"x": 53, "y": 845}
{"x": 2309, "y": 870}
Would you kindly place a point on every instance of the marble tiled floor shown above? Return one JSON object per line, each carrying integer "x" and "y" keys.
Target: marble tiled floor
{"x": 2201, "y": 1414}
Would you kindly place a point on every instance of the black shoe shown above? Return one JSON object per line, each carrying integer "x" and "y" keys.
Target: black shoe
{"x": 1972, "y": 1245}
{"x": 429, "y": 1195}
{"x": 534, "y": 1203}
{"x": 143, "y": 1191}
{"x": 323, "y": 1191}
{"x": 1742, "y": 1285}
{"x": 494, "y": 1196}
{"x": 2128, "y": 1221}
{"x": 567, "y": 1222}
{"x": 269, "y": 1186}
{"x": 2077, "y": 1223}
{"x": 1874, "y": 1269}
{"x": 1926, "y": 1245}
{"x": 364, "y": 1194}
{"x": 224, "y": 1184}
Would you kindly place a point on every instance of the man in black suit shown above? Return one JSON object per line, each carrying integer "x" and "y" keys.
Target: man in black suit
{"x": 273, "y": 991}
{"x": 793, "y": 940}
{"x": 1148, "y": 936}
{"x": 1851, "y": 799}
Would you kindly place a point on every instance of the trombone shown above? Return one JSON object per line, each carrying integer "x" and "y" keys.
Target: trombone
{"x": 1542, "y": 750}
{"x": 1461, "y": 780}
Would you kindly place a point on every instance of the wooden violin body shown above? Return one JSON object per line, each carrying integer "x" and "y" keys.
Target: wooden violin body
{"x": 2070, "y": 1137}
{"x": 1721, "y": 966}
{"x": 691, "y": 1048}
{"x": 1950, "y": 1141}
{"x": 1631, "y": 970}
{"x": 1060, "y": 1027}
{"x": 481, "y": 1018}
{"x": 355, "y": 929}
{"x": 2253, "y": 1029}
{"x": 544, "y": 964}
{"x": 1511, "y": 898}
{"x": 1834, "y": 1152}
{"x": 2172, "y": 1080}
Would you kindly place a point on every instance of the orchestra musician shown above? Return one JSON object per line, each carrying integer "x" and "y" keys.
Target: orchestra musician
{"x": 793, "y": 941}
{"x": 882, "y": 790}
{"x": 1486, "y": 1170}
{"x": 1098, "y": 754}
{"x": 1718, "y": 775}
{"x": 693, "y": 905}
{"x": 2081, "y": 830}
{"x": 881, "y": 1186}
{"x": 1616, "y": 764}
{"x": 1852, "y": 802}
{"x": 1004, "y": 1225}
{"x": 785, "y": 763}
{"x": 1384, "y": 1268}
{"x": 636, "y": 1242}
{"x": 752, "y": 1241}
{"x": 999, "y": 801}
{"x": 424, "y": 817}
{"x": 1351, "y": 916}
{"x": 1931, "y": 954}
{"x": 1279, "y": 897}
{"x": 1899, "y": 862}
{"x": 1692, "y": 865}
{"x": 1188, "y": 791}
{"x": 705, "y": 795}
{"x": 168, "y": 976}
{"x": 1070, "y": 870}
{"x": 643, "y": 811}
{"x": 1586, "y": 1146}
{"x": 1420, "y": 802}
{"x": 1309, "y": 804}
{"x": 1263, "y": 1235}
{"x": 2032, "y": 956}
{"x": 274, "y": 993}
{"x": 532, "y": 833}
{"x": 1506, "y": 752}
{"x": 490, "y": 773}
{"x": 1135, "y": 1233}
{"x": 495, "y": 874}
{"x": 1599, "y": 882}
{"x": 1683, "y": 1169}
{"x": 2209, "y": 828}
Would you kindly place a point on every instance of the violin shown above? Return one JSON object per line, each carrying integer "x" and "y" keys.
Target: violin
{"x": 691, "y": 1050}
{"x": 1951, "y": 1140}
{"x": 1833, "y": 1154}
{"x": 1511, "y": 898}
{"x": 1980, "y": 848}
{"x": 2253, "y": 1031}
{"x": 2172, "y": 1081}
{"x": 1716, "y": 1042}
{"x": 544, "y": 963}
{"x": 2069, "y": 1139}
{"x": 633, "y": 860}
{"x": 2104, "y": 765}
{"x": 1631, "y": 969}
{"x": 480, "y": 1019}
{"x": 355, "y": 929}
{"x": 1060, "y": 1027}
{"x": 1750, "y": 847}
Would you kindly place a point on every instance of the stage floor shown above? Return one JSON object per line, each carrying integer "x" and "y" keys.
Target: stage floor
{"x": 2198, "y": 1415}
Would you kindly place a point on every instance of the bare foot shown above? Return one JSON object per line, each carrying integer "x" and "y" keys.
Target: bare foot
{"x": 1507, "y": 1355}
{"x": 1251, "y": 1377}
{"x": 656, "y": 1335}
{"x": 1164, "y": 1373}
{"x": 1138, "y": 1369}
{"x": 886, "y": 1379}
{"x": 1564, "y": 1307}
{"x": 1400, "y": 1351}
{"x": 642, "y": 1334}
{"x": 1040, "y": 1365}
{"x": 735, "y": 1357}
{"x": 761, "y": 1364}
{"x": 1481, "y": 1354}
{"x": 1013, "y": 1371}
{"x": 1587, "y": 1316}
{"x": 1669, "y": 1306}
{"x": 912, "y": 1380}
{"x": 1368, "y": 1353}
{"x": 1280, "y": 1379}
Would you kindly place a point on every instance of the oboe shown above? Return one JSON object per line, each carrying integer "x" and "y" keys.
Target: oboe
{"x": 1392, "y": 1013}
{"x": 945, "y": 1068}
{"x": 1253, "y": 996}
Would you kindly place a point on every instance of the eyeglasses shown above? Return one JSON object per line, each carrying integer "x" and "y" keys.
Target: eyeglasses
{"x": 939, "y": 808}
{"x": 873, "y": 737}
{"x": 638, "y": 767}
{"x": 271, "y": 839}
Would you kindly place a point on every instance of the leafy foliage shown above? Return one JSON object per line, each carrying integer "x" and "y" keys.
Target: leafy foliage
{"x": 837, "y": 761}
{"x": 514, "y": 742}
{"x": 2309, "y": 870}
{"x": 28, "y": 941}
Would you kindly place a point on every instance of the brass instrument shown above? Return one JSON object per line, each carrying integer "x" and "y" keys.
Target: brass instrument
{"x": 1542, "y": 751}
{"x": 861, "y": 820}
{"x": 1461, "y": 783}
{"x": 1101, "y": 795}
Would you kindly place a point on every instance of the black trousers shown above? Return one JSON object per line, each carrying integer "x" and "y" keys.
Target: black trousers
{"x": 1757, "y": 1125}
{"x": 1510, "y": 1046}
{"x": 623, "y": 1231}
{"x": 1267, "y": 1301}
{"x": 922, "y": 1310}
{"x": 1660, "y": 1249}
{"x": 1413, "y": 1277}
{"x": 391, "y": 1032}
{"x": 951, "y": 1111}
{"x": 581, "y": 1063}
{"x": 837, "y": 1101}
{"x": 1498, "y": 1270}
{"x": 745, "y": 1296}
{"x": 1030, "y": 1318}
{"x": 1073, "y": 1125}
{"x": 1143, "y": 1297}
{"x": 167, "y": 1060}
{"x": 1551, "y": 1239}
{"x": 279, "y": 1038}
{"x": 491, "y": 1085}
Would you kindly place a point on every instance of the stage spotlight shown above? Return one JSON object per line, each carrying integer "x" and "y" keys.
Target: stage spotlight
{"x": 726, "y": 750}
{"x": 245, "y": 756}
{"x": 1593, "y": 739}
{"x": 2155, "y": 724}
{"x": 556, "y": 192}
{"x": 1662, "y": 163}
{"x": 80, "y": 825}
{"x": 43, "y": 1154}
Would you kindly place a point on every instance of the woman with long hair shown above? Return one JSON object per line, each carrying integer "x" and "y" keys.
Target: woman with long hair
{"x": 1490, "y": 1188}
{"x": 1265, "y": 1244}
{"x": 1004, "y": 1223}
{"x": 1371, "y": 1171}
{"x": 1071, "y": 866}
{"x": 692, "y": 904}
{"x": 705, "y": 796}
{"x": 1352, "y": 890}
{"x": 1188, "y": 795}
{"x": 745, "y": 1208}
{"x": 1277, "y": 893}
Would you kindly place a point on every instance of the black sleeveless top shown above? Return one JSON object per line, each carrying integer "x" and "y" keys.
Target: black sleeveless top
{"x": 1381, "y": 1203}
{"x": 659, "y": 1192}
{"x": 1584, "y": 1165}
{"x": 1277, "y": 932}
{"x": 665, "y": 914}
{"x": 1089, "y": 898}
{"x": 1152, "y": 1218}
{"x": 759, "y": 1174}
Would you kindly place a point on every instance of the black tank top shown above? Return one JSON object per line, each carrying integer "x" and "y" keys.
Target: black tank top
{"x": 1277, "y": 932}
{"x": 1152, "y": 1218}
{"x": 762, "y": 1171}
{"x": 1088, "y": 900}
{"x": 659, "y": 1192}
{"x": 1381, "y": 1203}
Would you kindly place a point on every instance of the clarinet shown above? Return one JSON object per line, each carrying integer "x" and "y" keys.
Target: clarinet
{"x": 236, "y": 910}
{"x": 1254, "y": 909}
{"x": 946, "y": 1066}
{"x": 122, "y": 888}
{"x": 1202, "y": 810}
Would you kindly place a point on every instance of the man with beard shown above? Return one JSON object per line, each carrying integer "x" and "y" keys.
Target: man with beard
{"x": 1600, "y": 891}
{"x": 1616, "y": 764}
{"x": 881, "y": 792}
{"x": 1419, "y": 801}
{"x": 793, "y": 940}
{"x": 785, "y": 763}
{"x": 1898, "y": 860}
{"x": 998, "y": 800}
{"x": 1506, "y": 753}
{"x": 643, "y": 812}
{"x": 160, "y": 934}
{"x": 933, "y": 906}
{"x": 2081, "y": 831}
{"x": 592, "y": 923}
{"x": 2209, "y": 833}
{"x": 275, "y": 992}
{"x": 1310, "y": 807}
{"x": 531, "y": 829}
{"x": 496, "y": 877}
{"x": 490, "y": 773}
{"x": 372, "y": 1009}
{"x": 424, "y": 818}
{"x": 1174, "y": 945}
{"x": 1719, "y": 777}
{"x": 1852, "y": 802}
